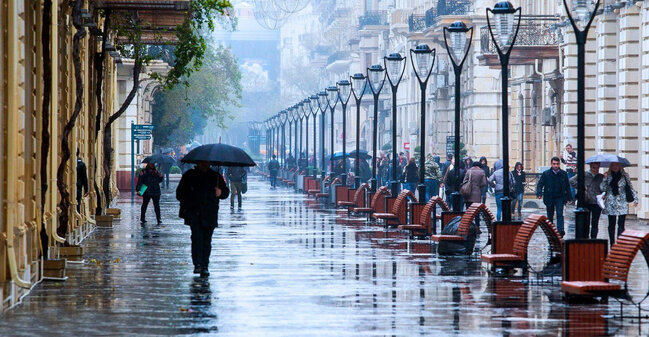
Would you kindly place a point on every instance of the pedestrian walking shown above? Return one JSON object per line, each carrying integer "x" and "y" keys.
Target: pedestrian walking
{"x": 364, "y": 171}
{"x": 519, "y": 189}
{"x": 82, "y": 181}
{"x": 165, "y": 168}
{"x": 592, "y": 181}
{"x": 236, "y": 176}
{"x": 616, "y": 183}
{"x": 450, "y": 182}
{"x": 302, "y": 163}
{"x": 497, "y": 181}
{"x": 476, "y": 180}
{"x": 410, "y": 175}
{"x": 273, "y": 169}
{"x": 484, "y": 165}
{"x": 554, "y": 188}
{"x": 432, "y": 176}
{"x": 199, "y": 192}
{"x": 569, "y": 158}
{"x": 148, "y": 186}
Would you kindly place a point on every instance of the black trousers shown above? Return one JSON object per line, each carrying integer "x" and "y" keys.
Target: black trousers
{"x": 145, "y": 204}
{"x": 595, "y": 213}
{"x": 201, "y": 245}
{"x": 611, "y": 227}
{"x": 79, "y": 195}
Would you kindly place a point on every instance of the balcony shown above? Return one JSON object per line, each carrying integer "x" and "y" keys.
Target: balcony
{"x": 373, "y": 18}
{"x": 416, "y": 23}
{"x": 445, "y": 8}
{"x": 537, "y": 39}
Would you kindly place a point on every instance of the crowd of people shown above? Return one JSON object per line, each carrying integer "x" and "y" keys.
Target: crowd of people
{"x": 556, "y": 187}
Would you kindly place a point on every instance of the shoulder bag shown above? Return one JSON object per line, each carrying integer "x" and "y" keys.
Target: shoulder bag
{"x": 465, "y": 189}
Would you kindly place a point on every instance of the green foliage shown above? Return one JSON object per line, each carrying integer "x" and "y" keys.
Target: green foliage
{"x": 174, "y": 170}
{"x": 181, "y": 113}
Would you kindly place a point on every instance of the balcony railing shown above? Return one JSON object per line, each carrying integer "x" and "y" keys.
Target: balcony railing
{"x": 416, "y": 23}
{"x": 373, "y": 18}
{"x": 447, "y": 7}
{"x": 534, "y": 31}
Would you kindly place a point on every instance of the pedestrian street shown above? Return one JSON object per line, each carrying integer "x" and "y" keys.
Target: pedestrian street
{"x": 283, "y": 265}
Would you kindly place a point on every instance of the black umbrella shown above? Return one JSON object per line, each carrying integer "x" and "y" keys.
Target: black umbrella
{"x": 160, "y": 159}
{"x": 362, "y": 155}
{"x": 219, "y": 155}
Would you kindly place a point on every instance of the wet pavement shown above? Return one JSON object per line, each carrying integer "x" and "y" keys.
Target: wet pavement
{"x": 286, "y": 266}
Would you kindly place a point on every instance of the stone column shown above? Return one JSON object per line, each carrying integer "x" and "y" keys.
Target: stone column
{"x": 607, "y": 83}
{"x": 643, "y": 164}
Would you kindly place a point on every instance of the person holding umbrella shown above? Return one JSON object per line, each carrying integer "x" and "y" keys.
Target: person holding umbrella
{"x": 616, "y": 183}
{"x": 199, "y": 192}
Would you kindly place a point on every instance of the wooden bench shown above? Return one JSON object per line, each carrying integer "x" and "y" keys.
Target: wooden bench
{"x": 515, "y": 255}
{"x": 358, "y": 199}
{"x": 424, "y": 217}
{"x": 399, "y": 210}
{"x": 587, "y": 274}
{"x": 316, "y": 190}
{"x": 467, "y": 220}
{"x": 327, "y": 184}
{"x": 342, "y": 194}
{"x": 377, "y": 204}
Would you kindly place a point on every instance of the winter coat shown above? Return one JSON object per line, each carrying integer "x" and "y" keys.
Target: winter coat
{"x": 364, "y": 171}
{"x": 273, "y": 165}
{"x": 592, "y": 183}
{"x": 236, "y": 174}
{"x": 82, "y": 176}
{"x": 519, "y": 181}
{"x": 196, "y": 192}
{"x": 152, "y": 179}
{"x": 432, "y": 169}
{"x": 617, "y": 204}
{"x": 478, "y": 180}
{"x": 496, "y": 179}
{"x": 449, "y": 180}
{"x": 410, "y": 173}
{"x": 554, "y": 186}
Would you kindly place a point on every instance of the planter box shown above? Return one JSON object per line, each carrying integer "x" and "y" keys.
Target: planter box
{"x": 74, "y": 253}
{"x": 54, "y": 268}
{"x": 115, "y": 212}
{"x": 104, "y": 220}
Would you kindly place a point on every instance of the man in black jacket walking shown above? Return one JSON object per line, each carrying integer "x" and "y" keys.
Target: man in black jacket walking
{"x": 554, "y": 188}
{"x": 199, "y": 192}
{"x": 151, "y": 178}
{"x": 82, "y": 181}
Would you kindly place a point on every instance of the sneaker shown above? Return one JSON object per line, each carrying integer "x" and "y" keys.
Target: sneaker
{"x": 205, "y": 272}
{"x": 197, "y": 269}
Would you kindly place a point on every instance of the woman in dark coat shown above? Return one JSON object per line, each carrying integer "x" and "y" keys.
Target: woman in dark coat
{"x": 484, "y": 165}
{"x": 151, "y": 178}
{"x": 199, "y": 192}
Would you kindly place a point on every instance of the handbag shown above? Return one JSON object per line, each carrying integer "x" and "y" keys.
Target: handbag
{"x": 465, "y": 189}
{"x": 628, "y": 191}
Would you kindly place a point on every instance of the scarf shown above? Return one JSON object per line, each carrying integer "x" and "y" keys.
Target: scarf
{"x": 615, "y": 187}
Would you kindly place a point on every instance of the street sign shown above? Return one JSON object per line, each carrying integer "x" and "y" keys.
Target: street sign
{"x": 143, "y": 127}
{"x": 141, "y": 137}
{"x": 141, "y": 132}
{"x": 450, "y": 145}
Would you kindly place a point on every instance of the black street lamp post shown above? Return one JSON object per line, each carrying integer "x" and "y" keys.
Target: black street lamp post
{"x": 425, "y": 58}
{"x": 359, "y": 83}
{"x": 313, "y": 106}
{"x": 504, "y": 40}
{"x": 376, "y": 79}
{"x": 322, "y": 105}
{"x": 458, "y": 52}
{"x": 305, "y": 115}
{"x": 395, "y": 64}
{"x": 332, "y": 101}
{"x": 344, "y": 93}
{"x": 289, "y": 120}
{"x": 282, "y": 143}
{"x": 584, "y": 11}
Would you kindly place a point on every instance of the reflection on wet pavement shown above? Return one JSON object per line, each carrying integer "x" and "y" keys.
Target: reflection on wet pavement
{"x": 286, "y": 266}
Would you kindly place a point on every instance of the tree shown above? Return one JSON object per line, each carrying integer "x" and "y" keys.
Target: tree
{"x": 181, "y": 113}
{"x": 188, "y": 55}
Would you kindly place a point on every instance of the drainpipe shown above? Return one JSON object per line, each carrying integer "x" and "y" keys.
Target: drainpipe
{"x": 12, "y": 138}
{"x": 54, "y": 122}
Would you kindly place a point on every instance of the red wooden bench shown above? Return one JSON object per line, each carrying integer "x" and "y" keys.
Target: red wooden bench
{"x": 587, "y": 274}
{"x": 316, "y": 190}
{"x": 468, "y": 218}
{"x": 358, "y": 199}
{"x": 424, "y": 217}
{"x": 514, "y": 255}
{"x": 327, "y": 184}
{"x": 399, "y": 209}
{"x": 342, "y": 194}
{"x": 377, "y": 204}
